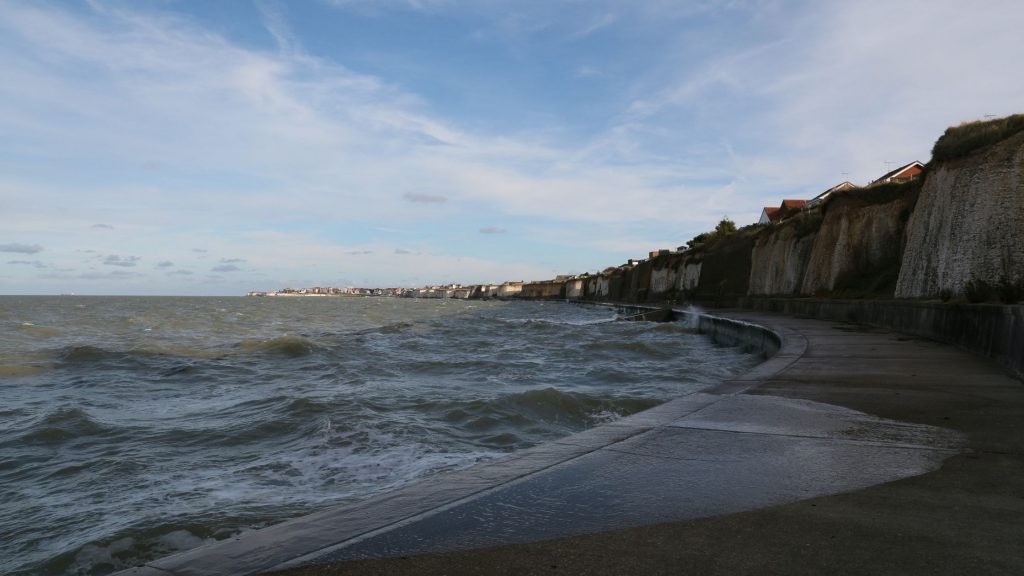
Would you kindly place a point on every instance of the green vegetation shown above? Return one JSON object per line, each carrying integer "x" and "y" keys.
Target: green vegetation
{"x": 1010, "y": 292}
{"x": 806, "y": 222}
{"x": 724, "y": 228}
{"x": 878, "y": 282}
{"x": 959, "y": 141}
{"x": 976, "y": 291}
{"x": 883, "y": 193}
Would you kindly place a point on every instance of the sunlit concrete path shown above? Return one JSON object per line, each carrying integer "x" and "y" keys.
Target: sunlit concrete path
{"x": 852, "y": 450}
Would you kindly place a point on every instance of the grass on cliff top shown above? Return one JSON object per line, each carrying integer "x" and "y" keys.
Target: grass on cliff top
{"x": 878, "y": 194}
{"x": 959, "y": 141}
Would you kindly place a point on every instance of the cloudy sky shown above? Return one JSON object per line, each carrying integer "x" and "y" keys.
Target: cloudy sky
{"x": 173, "y": 147}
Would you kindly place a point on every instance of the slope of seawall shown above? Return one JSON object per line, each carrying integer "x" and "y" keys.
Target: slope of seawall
{"x": 724, "y": 450}
{"x": 962, "y": 518}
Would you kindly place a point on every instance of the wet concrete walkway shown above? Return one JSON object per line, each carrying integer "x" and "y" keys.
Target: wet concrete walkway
{"x": 838, "y": 410}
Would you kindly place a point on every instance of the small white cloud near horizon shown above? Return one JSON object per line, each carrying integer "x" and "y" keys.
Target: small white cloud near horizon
{"x": 17, "y": 248}
{"x": 424, "y": 198}
{"x": 122, "y": 261}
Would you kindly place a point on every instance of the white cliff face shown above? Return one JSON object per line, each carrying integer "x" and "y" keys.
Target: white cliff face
{"x": 968, "y": 223}
{"x": 779, "y": 262}
{"x": 690, "y": 277}
{"x": 662, "y": 280}
{"x": 574, "y": 289}
{"x": 854, "y": 241}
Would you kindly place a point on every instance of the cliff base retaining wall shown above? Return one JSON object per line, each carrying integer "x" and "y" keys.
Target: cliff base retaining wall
{"x": 987, "y": 329}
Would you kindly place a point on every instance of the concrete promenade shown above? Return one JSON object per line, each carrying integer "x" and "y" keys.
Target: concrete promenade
{"x": 852, "y": 451}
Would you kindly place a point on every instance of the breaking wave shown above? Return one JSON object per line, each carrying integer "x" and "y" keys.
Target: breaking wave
{"x": 146, "y": 426}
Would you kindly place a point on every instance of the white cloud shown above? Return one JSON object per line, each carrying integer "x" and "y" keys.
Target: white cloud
{"x": 424, "y": 198}
{"x": 122, "y": 261}
{"x": 21, "y": 248}
{"x": 226, "y": 136}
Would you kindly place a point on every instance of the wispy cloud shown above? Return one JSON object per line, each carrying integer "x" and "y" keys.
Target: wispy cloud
{"x": 102, "y": 226}
{"x": 112, "y": 275}
{"x": 424, "y": 198}
{"x": 122, "y": 261}
{"x": 492, "y": 230}
{"x": 21, "y": 248}
{"x": 288, "y": 160}
{"x": 225, "y": 268}
{"x": 165, "y": 264}
{"x": 32, "y": 263}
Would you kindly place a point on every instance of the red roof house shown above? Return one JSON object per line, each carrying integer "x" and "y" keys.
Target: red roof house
{"x": 902, "y": 174}
{"x": 775, "y": 215}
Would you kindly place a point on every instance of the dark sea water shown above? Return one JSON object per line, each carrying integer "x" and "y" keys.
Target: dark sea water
{"x": 131, "y": 428}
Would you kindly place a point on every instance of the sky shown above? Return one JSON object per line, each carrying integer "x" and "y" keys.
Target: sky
{"x": 213, "y": 148}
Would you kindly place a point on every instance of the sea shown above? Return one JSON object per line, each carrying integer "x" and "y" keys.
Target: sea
{"x": 135, "y": 427}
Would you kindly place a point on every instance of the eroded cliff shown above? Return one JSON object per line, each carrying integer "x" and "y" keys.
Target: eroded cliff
{"x": 968, "y": 224}
{"x": 850, "y": 245}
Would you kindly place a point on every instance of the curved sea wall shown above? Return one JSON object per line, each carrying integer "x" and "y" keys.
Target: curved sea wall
{"x": 992, "y": 330}
{"x": 725, "y": 331}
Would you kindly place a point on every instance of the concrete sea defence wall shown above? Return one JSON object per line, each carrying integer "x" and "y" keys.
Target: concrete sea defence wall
{"x": 752, "y": 338}
{"x": 992, "y": 330}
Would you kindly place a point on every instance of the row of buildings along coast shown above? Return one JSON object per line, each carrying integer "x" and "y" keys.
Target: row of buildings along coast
{"x": 949, "y": 230}
{"x": 664, "y": 274}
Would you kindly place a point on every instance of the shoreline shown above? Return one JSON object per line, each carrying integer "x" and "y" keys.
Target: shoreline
{"x": 479, "y": 480}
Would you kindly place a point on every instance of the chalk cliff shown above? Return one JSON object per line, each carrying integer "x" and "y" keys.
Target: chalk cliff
{"x": 779, "y": 260}
{"x": 851, "y": 245}
{"x": 858, "y": 246}
{"x": 968, "y": 223}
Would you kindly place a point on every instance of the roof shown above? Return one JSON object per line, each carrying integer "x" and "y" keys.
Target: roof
{"x": 792, "y": 204}
{"x": 846, "y": 185}
{"x": 895, "y": 173}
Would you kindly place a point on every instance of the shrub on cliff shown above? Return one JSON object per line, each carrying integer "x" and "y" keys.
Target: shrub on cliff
{"x": 807, "y": 222}
{"x": 882, "y": 193}
{"x": 976, "y": 291}
{"x": 959, "y": 141}
{"x": 724, "y": 228}
{"x": 1010, "y": 292}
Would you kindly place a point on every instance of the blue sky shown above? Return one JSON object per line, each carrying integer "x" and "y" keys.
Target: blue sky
{"x": 172, "y": 147}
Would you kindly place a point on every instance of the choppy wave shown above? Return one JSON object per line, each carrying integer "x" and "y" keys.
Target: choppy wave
{"x": 287, "y": 346}
{"x": 62, "y": 425}
{"x": 143, "y": 426}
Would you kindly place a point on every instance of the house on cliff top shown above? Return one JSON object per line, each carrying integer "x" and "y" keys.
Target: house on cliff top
{"x": 771, "y": 215}
{"x": 843, "y": 187}
{"x": 904, "y": 173}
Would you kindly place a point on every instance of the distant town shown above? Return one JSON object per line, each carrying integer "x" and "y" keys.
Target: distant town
{"x": 611, "y": 281}
{"x": 476, "y": 291}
